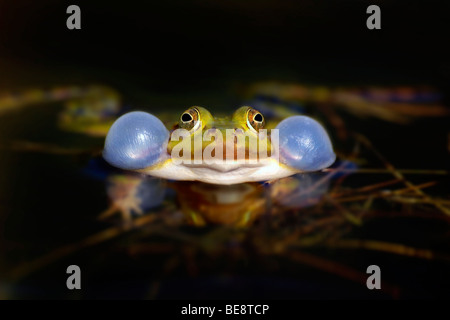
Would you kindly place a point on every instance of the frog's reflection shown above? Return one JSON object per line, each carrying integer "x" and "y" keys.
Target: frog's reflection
{"x": 238, "y": 204}
{"x": 204, "y": 204}
{"x": 131, "y": 194}
{"x": 300, "y": 191}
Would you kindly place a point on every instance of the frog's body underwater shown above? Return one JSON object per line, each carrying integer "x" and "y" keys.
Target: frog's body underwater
{"x": 139, "y": 141}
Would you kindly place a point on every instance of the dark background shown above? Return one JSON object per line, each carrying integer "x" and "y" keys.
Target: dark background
{"x": 194, "y": 51}
{"x": 187, "y": 44}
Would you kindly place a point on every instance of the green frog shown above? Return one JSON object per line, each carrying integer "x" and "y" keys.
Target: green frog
{"x": 140, "y": 142}
{"x": 218, "y": 150}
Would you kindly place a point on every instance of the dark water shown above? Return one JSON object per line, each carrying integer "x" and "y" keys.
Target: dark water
{"x": 50, "y": 201}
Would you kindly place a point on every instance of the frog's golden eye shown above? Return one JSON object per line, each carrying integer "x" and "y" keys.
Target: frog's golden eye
{"x": 255, "y": 119}
{"x": 190, "y": 119}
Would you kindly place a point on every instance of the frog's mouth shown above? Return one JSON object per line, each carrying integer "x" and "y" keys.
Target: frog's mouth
{"x": 224, "y": 166}
{"x": 221, "y": 173}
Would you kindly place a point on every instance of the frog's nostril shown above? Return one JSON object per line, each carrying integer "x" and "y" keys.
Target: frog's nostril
{"x": 135, "y": 141}
{"x": 304, "y": 144}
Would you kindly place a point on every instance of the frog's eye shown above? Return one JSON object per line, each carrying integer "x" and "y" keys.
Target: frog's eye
{"x": 255, "y": 119}
{"x": 190, "y": 119}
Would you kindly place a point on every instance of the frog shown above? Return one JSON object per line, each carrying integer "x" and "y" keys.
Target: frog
{"x": 138, "y": 141}
{"x": 133, "y": 190}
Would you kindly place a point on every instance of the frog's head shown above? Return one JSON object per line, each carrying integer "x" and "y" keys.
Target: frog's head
{"x": 205, "y": 138}
{"x": 218, "y": 150}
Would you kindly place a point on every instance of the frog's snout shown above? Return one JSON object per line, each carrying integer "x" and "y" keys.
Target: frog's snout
{"x": 136, "y": 140}
{"x": 304, "y": 144}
